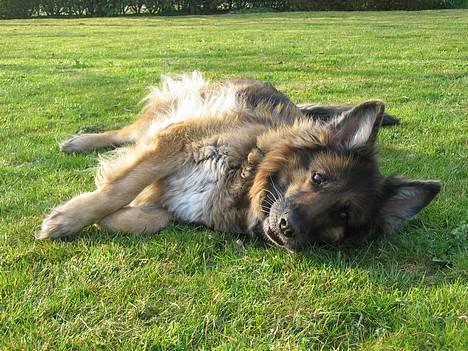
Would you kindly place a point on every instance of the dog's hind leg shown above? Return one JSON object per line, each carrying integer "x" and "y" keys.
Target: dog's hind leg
{"x": 87, "y": 142}
{"x": 127, "y": 135}
{"x": 136, "y": 220}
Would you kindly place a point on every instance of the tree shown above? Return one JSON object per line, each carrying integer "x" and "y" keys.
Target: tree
{"x": 16, "y": 9}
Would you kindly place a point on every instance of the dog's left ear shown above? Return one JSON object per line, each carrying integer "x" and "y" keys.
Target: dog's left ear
{"x": 404, "y": 198}
{"x": 358, "y": 126}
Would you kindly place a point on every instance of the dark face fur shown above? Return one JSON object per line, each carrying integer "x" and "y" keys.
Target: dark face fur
{"x": 331, "y": 189}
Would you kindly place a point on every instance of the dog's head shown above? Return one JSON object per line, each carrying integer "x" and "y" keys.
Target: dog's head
{"x": 323, "y": 184}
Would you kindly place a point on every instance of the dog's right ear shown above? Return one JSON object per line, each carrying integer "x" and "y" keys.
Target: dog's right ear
{"x": 404, "y": 198}
{"x": 359, "y": 126}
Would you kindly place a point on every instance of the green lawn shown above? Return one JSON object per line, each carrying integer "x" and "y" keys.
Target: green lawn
{"x": 189, "y": 287}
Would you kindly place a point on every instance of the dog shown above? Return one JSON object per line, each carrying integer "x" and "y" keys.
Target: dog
{"x": 240, "y": 157}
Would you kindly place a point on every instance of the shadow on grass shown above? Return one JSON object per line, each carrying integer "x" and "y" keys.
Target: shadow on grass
{"x": 390, "y": 261}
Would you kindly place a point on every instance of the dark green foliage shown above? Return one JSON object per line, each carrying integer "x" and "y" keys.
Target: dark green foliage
{"x": 100, "y": 8}
{"x": 16, "y": 9}
{"x": 369, "y": 5}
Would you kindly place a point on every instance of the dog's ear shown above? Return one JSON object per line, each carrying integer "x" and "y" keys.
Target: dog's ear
{"x": 402, "y": 199}
{"x": 358, "y": 126}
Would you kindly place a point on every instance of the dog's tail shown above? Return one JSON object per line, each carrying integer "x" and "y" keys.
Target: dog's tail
{"x": 326, "y": 113}
{"x": 389, "y": 120}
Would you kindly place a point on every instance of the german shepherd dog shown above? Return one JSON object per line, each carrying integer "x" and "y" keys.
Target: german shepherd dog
{"x": 240, "y": 157}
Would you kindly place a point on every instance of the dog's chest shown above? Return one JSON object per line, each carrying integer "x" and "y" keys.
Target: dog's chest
{"x": 200, "y": 189}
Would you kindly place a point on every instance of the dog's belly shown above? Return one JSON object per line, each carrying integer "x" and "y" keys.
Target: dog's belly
{"x": 191, "y": 193}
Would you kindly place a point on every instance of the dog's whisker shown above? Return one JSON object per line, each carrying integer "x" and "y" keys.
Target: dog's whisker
{"x": 270, "y": 202}
{"x": 280, "y": 196}
{"x": 269, "y": 192}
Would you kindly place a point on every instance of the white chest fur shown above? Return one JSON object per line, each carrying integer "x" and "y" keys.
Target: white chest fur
{"x": 190, "y": 193}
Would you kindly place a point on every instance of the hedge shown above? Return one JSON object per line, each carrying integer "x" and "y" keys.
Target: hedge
{"x": 56, "y": 8}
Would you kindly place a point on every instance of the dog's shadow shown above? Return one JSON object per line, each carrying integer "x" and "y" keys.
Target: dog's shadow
{"x": 391, "y": 260}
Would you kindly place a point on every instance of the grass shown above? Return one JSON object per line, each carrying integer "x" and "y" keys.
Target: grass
{"x": 189, "y": 287}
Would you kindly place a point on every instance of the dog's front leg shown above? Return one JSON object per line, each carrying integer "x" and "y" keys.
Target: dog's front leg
{"x": 118, "y": 190}
{"x": 88, "y": 208}
{"x": 136, "y": 220}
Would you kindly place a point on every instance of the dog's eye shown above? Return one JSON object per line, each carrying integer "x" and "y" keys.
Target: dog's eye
{"x": 317, "y": 178}
{"x": 344, "y": 214}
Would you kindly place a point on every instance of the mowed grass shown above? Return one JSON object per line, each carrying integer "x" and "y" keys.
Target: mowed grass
{"x": 192, "y": 288}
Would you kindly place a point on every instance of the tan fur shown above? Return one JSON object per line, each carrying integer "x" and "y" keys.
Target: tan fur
{"x": 137, "y": 220}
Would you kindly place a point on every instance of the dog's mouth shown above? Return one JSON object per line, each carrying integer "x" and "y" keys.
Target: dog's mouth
{"x": 272, "y": 236}
{"x": 273, "y": 205}
{"x": 275, "y": 238}
{"x": 269, "y": 232}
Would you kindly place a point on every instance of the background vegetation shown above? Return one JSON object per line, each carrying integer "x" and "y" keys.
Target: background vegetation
{"x": 55, "y": 8}
{"x": 191, "y": 288}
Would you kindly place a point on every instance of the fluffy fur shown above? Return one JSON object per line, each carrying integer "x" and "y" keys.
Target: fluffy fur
{"x": 239, "y": 156}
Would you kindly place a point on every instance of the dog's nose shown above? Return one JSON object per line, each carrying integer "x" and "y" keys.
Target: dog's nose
{"x": 283, "y": 225}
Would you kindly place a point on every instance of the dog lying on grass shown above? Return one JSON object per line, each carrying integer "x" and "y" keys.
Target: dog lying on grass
{"x": 240, "y": 157}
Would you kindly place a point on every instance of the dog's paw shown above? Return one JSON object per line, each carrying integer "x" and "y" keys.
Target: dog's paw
{"x": 56, "y": 225}
{"x": 74, "y": 144}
